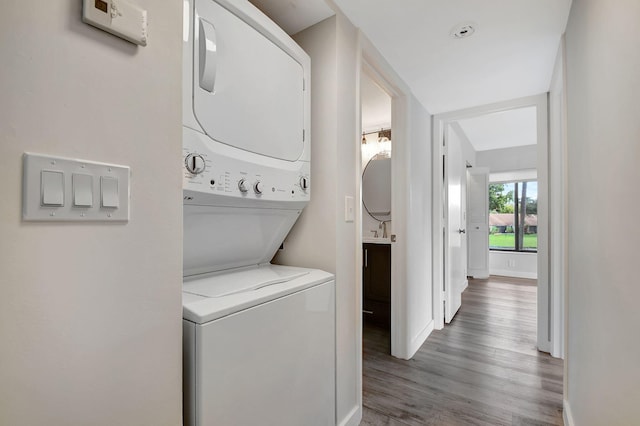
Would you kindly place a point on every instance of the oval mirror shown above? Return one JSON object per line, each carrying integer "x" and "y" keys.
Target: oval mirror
{"x": 376, "y": 187}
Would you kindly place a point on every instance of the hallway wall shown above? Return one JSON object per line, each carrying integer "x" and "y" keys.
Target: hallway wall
{"x": 603, "y": 151}
{"x": 321, "y": 238}
{"x": 90, "y": 313}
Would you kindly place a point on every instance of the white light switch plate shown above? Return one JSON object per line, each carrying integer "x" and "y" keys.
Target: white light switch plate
{"x": 34, "y": 207}
{"x": 349, "y": 209}
{"x": 118, "y": 17}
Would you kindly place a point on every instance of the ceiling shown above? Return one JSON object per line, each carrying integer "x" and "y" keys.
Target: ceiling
{"x": 516, "y": 127}
{"x": 376, "y": 106}
{"x": 294, "y": 15}
{"x": 510, "y": 55}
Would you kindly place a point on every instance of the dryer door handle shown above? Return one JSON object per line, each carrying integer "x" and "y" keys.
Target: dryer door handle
{"x": 207, "y": 55}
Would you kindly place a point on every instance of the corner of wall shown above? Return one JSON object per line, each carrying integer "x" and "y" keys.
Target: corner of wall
{"x": 566, "y": 413}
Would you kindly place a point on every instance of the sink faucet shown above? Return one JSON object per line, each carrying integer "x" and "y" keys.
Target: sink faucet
{"x": 375, "y": 233}
{"x": 383, "y": 225}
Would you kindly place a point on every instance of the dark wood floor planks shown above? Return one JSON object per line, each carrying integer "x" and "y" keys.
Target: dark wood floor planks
{"x": 482, "y": 369}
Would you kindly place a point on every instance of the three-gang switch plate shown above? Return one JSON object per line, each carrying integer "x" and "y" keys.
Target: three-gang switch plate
{"x": 64, "y": 189}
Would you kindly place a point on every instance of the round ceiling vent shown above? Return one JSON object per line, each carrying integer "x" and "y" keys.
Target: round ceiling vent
{"x": 463, "y": 30}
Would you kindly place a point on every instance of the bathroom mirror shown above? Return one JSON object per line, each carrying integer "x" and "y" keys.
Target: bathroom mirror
{"x": 376, "y": 187}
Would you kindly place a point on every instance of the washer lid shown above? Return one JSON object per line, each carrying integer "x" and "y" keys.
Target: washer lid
{"x": 202, "y": 309}
{"x": 240, "y": 281}
{"x": 248, "y": 92}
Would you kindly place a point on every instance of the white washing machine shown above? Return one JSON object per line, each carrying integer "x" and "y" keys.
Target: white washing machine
{"x": 259, "y": 339}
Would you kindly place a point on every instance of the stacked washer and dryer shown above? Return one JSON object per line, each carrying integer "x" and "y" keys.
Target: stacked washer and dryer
{"x": 258, "y": 339}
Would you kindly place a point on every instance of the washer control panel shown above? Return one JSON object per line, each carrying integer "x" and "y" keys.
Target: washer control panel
{"x": 209, "y": 167}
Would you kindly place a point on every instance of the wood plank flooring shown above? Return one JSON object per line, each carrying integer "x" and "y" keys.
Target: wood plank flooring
{"x": 482, "y": 369}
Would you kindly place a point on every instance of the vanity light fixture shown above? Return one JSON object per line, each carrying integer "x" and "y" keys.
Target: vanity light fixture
{"x": 384, "y": 135}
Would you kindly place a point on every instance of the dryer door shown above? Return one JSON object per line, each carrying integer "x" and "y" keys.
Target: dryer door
{"x": 248, "y": 92}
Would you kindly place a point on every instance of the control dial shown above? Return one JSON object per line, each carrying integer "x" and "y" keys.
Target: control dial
{"x": 194, "y": 163}
{"x": 304, "y": 183}
{"x": 242, "y": 185}
{"x": 258, "y": 187}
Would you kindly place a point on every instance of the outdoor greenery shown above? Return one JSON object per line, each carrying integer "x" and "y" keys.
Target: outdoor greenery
{"x": 499, "y": 201}
{"x": 507, "y": 240}
{"x": 502, "y": 205}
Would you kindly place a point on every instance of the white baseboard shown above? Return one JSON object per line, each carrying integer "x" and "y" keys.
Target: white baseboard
{"x": 515, "y": 274}
{"x": 353, "y": 418}
{"x": 480, "y": 274}
{"x": 419, "y": 339}
{"x": 566, "y": 414}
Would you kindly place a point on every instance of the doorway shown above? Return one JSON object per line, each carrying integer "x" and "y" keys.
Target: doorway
{"x": 454, "y": 128}
{"x": 377, "y": 224}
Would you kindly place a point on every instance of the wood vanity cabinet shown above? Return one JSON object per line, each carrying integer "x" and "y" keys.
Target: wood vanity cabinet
{"x": 376, "y": 284}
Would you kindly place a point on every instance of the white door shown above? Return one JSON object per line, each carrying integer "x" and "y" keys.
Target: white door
{"x": 478, "y": 222}
{"x": 456, "y": 256}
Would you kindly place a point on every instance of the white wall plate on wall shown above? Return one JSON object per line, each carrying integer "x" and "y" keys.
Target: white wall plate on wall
{"x": 64, "y": 189}
{"x": 118, "y": 17}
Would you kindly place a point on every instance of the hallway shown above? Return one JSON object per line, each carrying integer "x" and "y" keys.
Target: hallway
{"x": 482, "y": 369}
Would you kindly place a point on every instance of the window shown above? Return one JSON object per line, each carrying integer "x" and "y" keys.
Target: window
{"x": 513, "y": 216}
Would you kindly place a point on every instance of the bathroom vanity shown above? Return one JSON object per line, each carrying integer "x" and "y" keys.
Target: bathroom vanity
{"x": 376, "y": 281}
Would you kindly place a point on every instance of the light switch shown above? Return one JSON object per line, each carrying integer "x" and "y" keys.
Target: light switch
{"x": 109, "y": 191}
{"x": 82, "y": 190}
{"x": 70, "y": 189}
{"x": 349, "y": 209}
{"x": 52, "y": 188}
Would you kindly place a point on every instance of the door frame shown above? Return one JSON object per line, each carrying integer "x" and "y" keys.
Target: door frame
{"x": 378, "y": 69}
{"x": 439, "y": 212}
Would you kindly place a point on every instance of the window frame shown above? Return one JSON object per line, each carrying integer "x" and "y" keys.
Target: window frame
{"x": 516, "y": 228}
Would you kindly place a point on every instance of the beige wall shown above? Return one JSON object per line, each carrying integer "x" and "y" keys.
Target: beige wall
{"x": 321, "y": 238}
{"x": 90, "y": 314}
{"x": 602, "y": 51}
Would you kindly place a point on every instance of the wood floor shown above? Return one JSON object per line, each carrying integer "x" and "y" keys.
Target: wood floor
{"x": 482, "y": 369}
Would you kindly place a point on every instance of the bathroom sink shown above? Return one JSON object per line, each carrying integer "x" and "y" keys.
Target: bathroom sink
{"x": 376, "y": 240}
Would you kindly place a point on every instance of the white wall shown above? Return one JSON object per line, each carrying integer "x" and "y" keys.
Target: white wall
{"x": 419, "y": 297}
{"x": 469, "y": 155}
{"x": 508, "y": 159}
{"x": 90, "y": 314}
{"x": 321, "y": 238}
{"x": 603, "y": 88}
{"x": 513, "y": 264}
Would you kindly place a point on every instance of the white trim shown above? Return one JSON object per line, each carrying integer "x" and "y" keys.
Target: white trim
{"x": 353, "y": 418}
{"x": 544, "y": 291}
{"x": 558, "y": 201}
{"x": 419, "y": 339}
{"x": 514, "y": 176}
{"x": 514, "y": 274}
{"x": 567, "y": 415}
{"x": 356, "y": 412}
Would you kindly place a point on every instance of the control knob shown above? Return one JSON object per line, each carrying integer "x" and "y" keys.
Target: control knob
{"x": 304, "y": 183}
{"x": 194, "y": 163}
{"x": 242, "y": 185}
{"x": 257, "y": 187}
